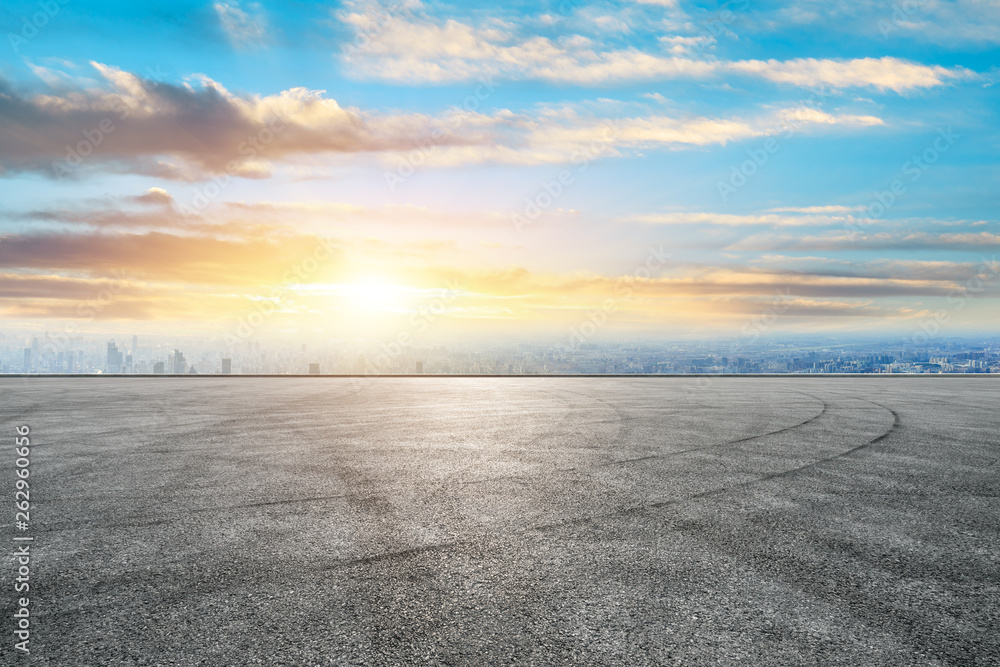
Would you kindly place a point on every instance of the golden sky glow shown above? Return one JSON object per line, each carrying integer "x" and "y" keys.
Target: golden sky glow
{"x": 515, "y": 170}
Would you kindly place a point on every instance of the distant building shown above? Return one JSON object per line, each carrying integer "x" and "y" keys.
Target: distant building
{"x": 180, "y": 366}
{"x": 115, "y": 358}
{"x": 27, "y": 360}
{"x": 158, "y": 368}
{"x": 227, "y": 366}
{"x": 313, "y": 369}
{"x": 420, "y": 367}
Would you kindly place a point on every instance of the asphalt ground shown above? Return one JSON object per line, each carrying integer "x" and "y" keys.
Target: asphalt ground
{"x": 626, "y": 521}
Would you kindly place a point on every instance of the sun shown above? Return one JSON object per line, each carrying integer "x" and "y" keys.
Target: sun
{"x": 374, "y": 294}
{"x": 367, "y": 302}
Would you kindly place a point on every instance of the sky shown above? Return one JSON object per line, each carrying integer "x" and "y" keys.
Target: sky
{"x": 658, "y": 168}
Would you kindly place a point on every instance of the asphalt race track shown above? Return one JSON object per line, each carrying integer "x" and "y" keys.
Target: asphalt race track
{"x": 576, "y": 521}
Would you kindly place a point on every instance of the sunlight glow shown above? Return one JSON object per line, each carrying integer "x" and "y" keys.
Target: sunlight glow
{"x": 368, "y": 294}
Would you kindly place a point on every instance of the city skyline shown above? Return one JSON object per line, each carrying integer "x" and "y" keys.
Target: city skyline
{"x": 751, "y": 353}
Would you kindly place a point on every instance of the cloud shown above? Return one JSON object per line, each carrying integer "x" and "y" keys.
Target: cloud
{"x": 81, "y": 300}
{"x": 882, "y": 73}
{"x": 817, "y": 209}
{"x": 680, "y": 45}
{"x": 560, "y": 138}
{"x": 734, "y": 220}
{"x": 121, "y": 310}
{"x": 408, "y": 49}
{"x": 188, "y": 133}
{"x": 157, "y": 210}
{"x": 804, "y": 115}
{"x": 955, "y": 22}
{"x": 32, "y": 286}
{"x": 194, "y": 133}
{"x": 157, "y": 256}
{"x": 155, "y": 195}
{"x": 846, "y": 240}
{"x": 947, "y": 273}
{"x": 217, "y": 277}
{"x": 243, "y": 29}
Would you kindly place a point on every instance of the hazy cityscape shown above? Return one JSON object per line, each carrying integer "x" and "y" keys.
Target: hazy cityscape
{"x": 137, "y": 355}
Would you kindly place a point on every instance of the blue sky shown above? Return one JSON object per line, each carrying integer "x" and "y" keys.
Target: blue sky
{"x": 841, "y": 154}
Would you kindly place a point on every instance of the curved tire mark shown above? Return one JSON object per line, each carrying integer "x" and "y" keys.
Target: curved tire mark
{"x": 897, "y": 422}
{"x": 665, "y": 455}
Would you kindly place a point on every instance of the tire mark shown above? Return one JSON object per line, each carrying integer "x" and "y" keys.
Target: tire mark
{"x": 522, "y": 479}
{"x": 706, "y": 494}
{"x": 554, "y": 429}
{"x": 406, "y": 553}
{"x": 173, "y": 519}
{"x": 622, "y": 418}
{"x": 730, "y": 442}
{"x": 666, "y": 455}
{"x": 78, "y": 526}
{"x": 392, "y": 556}
{"x": 896, "y": 423}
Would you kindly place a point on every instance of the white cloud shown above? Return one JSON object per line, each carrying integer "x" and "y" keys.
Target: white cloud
{"x": 816, "y": 209}
{"x": 798, "y": 116}
{"x": 732, "y": 220}
{"x": 680, "y": 46}
{"x": 609, "y": 23}
{"x": 301, "y": 123}
{"x": 882, "y": 73}
{"x": 846, "y": 240}
{"x": 564, "y": 136}
{"x": 405, "y": 48}
{"x": 935, "y": 21}
{"x": 182, "y": 132}
{"x": 243, "y": 28}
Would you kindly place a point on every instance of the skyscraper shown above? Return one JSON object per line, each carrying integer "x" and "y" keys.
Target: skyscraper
{"x": 115, "y": 358}
{"x": 180, "y": 366}
{"x": 227, "y": 366}
{"x": 27, "y": 360}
